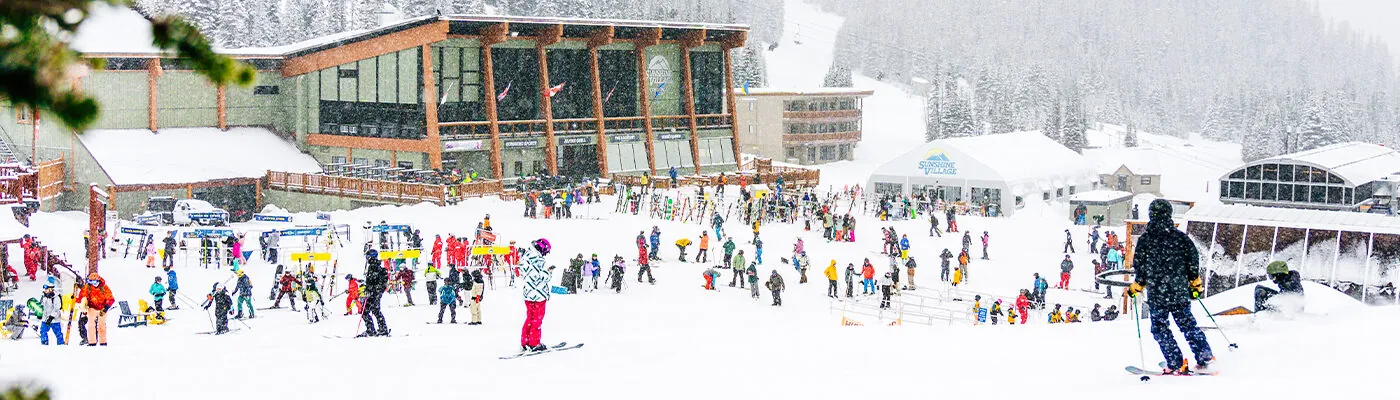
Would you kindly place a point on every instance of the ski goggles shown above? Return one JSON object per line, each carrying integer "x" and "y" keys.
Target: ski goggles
{"x": 93, "y": 282}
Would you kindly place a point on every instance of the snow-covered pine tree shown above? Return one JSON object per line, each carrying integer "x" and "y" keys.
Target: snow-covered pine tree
{"x": 1130, "y": 136}
{"x": 1053, "y": 123}
{"x": 1074, "y": 131}
{"x": 466, "y": 7}
{"x": 933, "y": 116}
{"x": 838, "y": 75}
{"x": 364, "y": 14}
{"x": 1315, "y": 131}
{"x": 957, "y": 120}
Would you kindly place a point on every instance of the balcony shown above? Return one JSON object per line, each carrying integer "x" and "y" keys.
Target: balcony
{"x": 822, "y": 115}
{"x": 832, "y": 137}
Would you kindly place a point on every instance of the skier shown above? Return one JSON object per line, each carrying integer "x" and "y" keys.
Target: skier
{"x": 591, "y": 270}
{"x": 376, "y": 282}
{"x": 947, "y": 257}
{"x": 704, "y": 254}
{"x": 1093, "y": 239}
{"x": 886, "y": 287}
{"x": 51, "y": 309}
{"x": 850, "y": 275}
{"x": 775, "y": 285}
{"x": 1065, "y": 267}
{"x": 1166, "y": 263}
{"x": 430, "y": 281}
{"x": 933, "y": 225}
{"x": 158, "y": 294}
{"x": 963, "y": 260}
{"x": 904, "y": 247}
{"x": 286, "y": 286}
{"x": 219, "y": 299}
{"x": 1023, "y": 307}
{"x": 802, "y": 263}
{"x": 644, "y": 268}
{"x": 244, "y": 289}
{"x": 448, "y": 295}
{"x": 1069, "y": 242}
{"x": 99, "y": 299}
{"x": 478, "y": 291}
{"x": 752, "y": 274}
{"x": 655, "y": 240}
{"x": 352, "y": 295}
{"x": 172, "y": 285}
{"x": 996, "y": 311}
{"x": 729, "y": 254}
{"x": 1289, "y": 285}
{"x": 405, "y": 278}
{"x": 831, "y": 276}
{"x": 167, "y": 259}
{"x": 616, "y": 274}
{"x": 757, "y": 250}
{"x": 682, "y": 244}
{"x": 536, "y": 292}
{"x": 986, "y": 238}
{"x": 966, "y": 241}
{"x": 909, "y": 268}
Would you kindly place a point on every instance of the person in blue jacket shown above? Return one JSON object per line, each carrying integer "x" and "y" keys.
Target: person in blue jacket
{"x": 158, "y": 292}
{"x": 244, "y": 289}
{"x": 674, "y": 175}
{"x": 904, "y": 247}
{"x": 655, "y": 243}
{"x": 171, "y": 286}
{"x": 447, "y": 297}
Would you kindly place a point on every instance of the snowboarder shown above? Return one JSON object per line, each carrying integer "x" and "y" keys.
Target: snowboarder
{"x": 158, "y": 294}
{"x": 775, "y": 285}
{"x": 947, "y": 257}
{"x": 1065, "y": 267}
{"x": 536, "y": 293}
{"x": 1069, "y": 242}
{"x": 376, "y": 282}
{"x": 1289, "y": 285}
{"x": 1166, "y": 263}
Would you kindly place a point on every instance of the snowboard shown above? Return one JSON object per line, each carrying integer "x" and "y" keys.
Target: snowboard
{"x": 558, "y": 347}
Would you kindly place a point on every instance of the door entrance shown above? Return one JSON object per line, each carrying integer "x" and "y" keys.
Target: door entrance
{"x": 1123, "y": 183}
{"x": 580, "y": 161}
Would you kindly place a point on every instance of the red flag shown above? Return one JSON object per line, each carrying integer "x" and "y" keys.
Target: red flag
{"x": 503, "y": 94}
{"x": 555, "y": 90}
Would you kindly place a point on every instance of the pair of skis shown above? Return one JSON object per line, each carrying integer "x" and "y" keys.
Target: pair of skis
{"x": 562, "y": 346}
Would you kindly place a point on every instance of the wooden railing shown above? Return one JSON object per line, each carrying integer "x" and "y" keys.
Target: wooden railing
{"x": 482, "y": 129}
{"x": 18, "y": 184}
{"x": 522, "y": 128}
{"x": 465, "y": 130}
{"x": 832, "y": 114}
{"x": 624, "y": 124}
{"x": 822, "y": 137}
{"x": 379, "y": 190}
{"x": 792, "y": 178}
{"x": 713, "y": 121}
{"x": 575, "y": 126}
{"x": 664, "y": 123}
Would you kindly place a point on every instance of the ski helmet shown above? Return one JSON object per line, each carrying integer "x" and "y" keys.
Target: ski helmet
{"x": 348, "y": 276}
{"x": 542, "y": 245}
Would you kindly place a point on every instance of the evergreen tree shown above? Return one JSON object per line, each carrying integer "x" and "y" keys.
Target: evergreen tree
{"x": 957, "y": 120}
{"x": 1074, "y": 131}
{"x": 1130, "y": 138}
{"x": 1315, "y": 130}
{"x": 1052, "y": 124}
{"x": 837, "y": 76}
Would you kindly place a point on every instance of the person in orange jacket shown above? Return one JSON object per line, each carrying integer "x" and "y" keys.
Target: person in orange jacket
{"x": 704, "y": 254}
{"x": 98, "y": 299}
{"x": 868, "y": 273}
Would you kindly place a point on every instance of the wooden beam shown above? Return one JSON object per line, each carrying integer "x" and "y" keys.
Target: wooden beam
{"x": 549, "y": 35}
{"x": 731, "y": 106}
{"x": 496, "y": 33}
{"x": 643, "y": 95}
{"x": 596, "y": 80}
{"x": 551, "y": 154}
{"x": 647, "y": 38}
{"x": 223, "y": 108}
{"x": 405, "y": 39}
{"x": 692, "y": 39}
{"x": 488, "y": 79}
{"x": 434, "y": 141}
{"x": 152, "y": 73}
{"x": 689, "y": 85}
{"x": 369, "y": 143}
{"x": 735, "y": 40}
{"x": 601, "y": 37}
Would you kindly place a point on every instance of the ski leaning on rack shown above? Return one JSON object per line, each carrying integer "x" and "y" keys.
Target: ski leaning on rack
{"x": 558, "y": 347}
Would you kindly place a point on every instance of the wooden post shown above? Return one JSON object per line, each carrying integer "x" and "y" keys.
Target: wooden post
{"x": 601, "y": 37}
{"x": 152, "y": 72}
{"x": 734, "y": 40}
{"x": 546, "y": 37}
{"x": 690, "y": 40}
{"x": 492, "y": 35}
{"x": 646, "y": 39}
{"x": 223, "y": 108}
{"x": 434, "y": 142}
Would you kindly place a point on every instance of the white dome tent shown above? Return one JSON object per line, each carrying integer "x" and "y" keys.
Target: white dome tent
{"x": 1000, "y": 170}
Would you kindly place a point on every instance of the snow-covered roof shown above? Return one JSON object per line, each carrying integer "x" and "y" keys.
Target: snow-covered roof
{"x": 1027, "y": 161}
{"x": 1294, "y": 218}
{"x": 11, "y": 229}
{"x": 823, "y": 91}
{"x": 188, "y": 155}
{"x": 1139, "y": 160}
{"x": 1357, "y": 163}
{"x": 1101, "y": 196}
{"x": 112, "y": 29}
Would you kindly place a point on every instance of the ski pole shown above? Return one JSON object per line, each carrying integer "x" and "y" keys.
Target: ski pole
{"x": 1233, "y": 346}
{"x": 1137, "y": 322}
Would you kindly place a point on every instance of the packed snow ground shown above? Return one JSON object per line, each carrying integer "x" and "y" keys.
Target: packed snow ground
{"x": 675, "y": 339}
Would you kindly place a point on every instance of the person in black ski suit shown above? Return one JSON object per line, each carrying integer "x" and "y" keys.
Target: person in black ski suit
{"x": 219, "y": 299}
{"x": 1069, "y": 242}
{"x": 1288, "y": 283}
{"x": 1166, "y": 262}
{"x": 376, "y": 281}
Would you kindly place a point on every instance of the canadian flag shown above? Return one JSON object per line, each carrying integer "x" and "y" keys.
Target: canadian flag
{"x": 555, "y": 90}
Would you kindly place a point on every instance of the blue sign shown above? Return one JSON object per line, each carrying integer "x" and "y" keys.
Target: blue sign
{"x": 302, "y": 232}
{"x": 150, "y": 219}
{"x": 936, "y": 162}
{"x": 134, "y": 231}
{"x": 323, "y": 216}
{"x": 272, "y": 218}
{"x": 982, "y": 315}
{"x": 209, "y": 233}
{"x": 392, "y": 228}
{"x": 209, "y": 218}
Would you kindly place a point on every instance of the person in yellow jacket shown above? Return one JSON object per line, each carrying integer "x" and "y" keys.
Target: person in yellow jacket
{"x": 1011, "y": 316}
{"x": 831, "y": 276}
{"x": 957, "y": 276}
{"x": 976, "y": 309}
{"x": 1055, "y": 316}
{"x": 683, "y": 243}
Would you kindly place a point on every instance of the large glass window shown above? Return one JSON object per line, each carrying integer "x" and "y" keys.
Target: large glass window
{"x": 1334, "y": 179}
{"x": 517, "y": 73}
{"x": 1285, "y": 173}
{"x": 1238, "y": 174}
{"x": 1301, "y": 193}
{"x": 1270, "y": 191}
{"x": 457, "y": 72}
{"x": 1319, "y": 175}
{"x": 707, "y": 76}
{"x": 1319, "y": 194}
{"x": 1285, "y": 192}
{"x": 1348, "y": 199}
{"x": 617, "y": 70}
{"x": 1251, "y": 190}
{"x": 1270, "y": 172}
{"x": 1253, "y": 172}
{"x": 570, "y": 68}
{"x": 1224, "y": 189}
{"x": 1334, "y": 195}
{"x": 1237, "y": 190}
{"x": 373, "y": 97}
{"x": 1301, "y": 173}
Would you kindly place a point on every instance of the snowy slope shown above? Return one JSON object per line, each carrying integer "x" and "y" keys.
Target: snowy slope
{"x": 805, "y": 50}
{"x": 1191, "y": 168}
{"x": 659, "y": 340}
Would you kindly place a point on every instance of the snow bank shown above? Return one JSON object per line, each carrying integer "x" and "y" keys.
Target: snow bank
{"x": 10, "y": 229}
{"x": 1318, "y": 299}
{"x": 185, "y": 155}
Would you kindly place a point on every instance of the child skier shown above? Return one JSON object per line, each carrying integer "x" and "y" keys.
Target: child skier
{"x": 158, "y": 294}
{"x": 447, "y": 294}
{"x": 352, "y": 295}
{"x": 478, "y": 294}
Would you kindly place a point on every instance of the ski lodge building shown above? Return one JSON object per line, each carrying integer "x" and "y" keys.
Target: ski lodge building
{"x": 500, "y": 96}
{"x": 813, "y": 126}
{"x": 1351, "y": 176}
